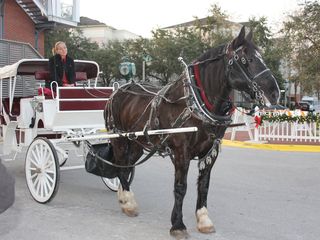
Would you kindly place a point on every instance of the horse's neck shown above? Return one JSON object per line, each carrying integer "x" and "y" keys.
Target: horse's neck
{"x": 216, "y": 87}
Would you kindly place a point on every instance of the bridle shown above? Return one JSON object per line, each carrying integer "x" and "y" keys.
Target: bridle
{"x": 241, "y": 63}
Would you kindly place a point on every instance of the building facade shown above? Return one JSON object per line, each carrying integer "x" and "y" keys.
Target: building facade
{"x": 101, "y": 33}
{"x": 26, "y": 20}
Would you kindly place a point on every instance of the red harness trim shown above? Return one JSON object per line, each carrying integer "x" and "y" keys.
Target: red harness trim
{"x": 203, "y": 95}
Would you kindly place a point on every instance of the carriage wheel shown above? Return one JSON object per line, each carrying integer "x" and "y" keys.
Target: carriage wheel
{"x": 42, "y": 170}
{"x": 113, "y": 183}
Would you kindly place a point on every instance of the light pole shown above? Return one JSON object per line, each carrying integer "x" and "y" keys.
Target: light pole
{"x": 286, "y": 88}
{"x": 143, "y": 70}
{"x": 147, "y": 59}
{"x": 284, "y": 96}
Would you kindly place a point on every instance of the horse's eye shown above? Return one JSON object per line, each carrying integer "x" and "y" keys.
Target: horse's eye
{"x": 250, "y": 60}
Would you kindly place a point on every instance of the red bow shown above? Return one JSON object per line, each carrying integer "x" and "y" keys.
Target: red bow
{"x": 258, "y": 121}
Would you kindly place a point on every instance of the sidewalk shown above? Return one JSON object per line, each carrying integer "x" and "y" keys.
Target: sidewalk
{"x": 242, "y": 140}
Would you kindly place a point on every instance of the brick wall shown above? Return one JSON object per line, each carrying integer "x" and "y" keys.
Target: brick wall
{"x": 18, "y": 26}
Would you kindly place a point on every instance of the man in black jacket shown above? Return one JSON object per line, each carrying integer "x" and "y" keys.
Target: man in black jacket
{"x": 6, "y": 188}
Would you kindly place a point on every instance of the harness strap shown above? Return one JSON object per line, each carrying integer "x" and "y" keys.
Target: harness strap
{"x": 149, "y": 155}
{"x": 208, "y": 105}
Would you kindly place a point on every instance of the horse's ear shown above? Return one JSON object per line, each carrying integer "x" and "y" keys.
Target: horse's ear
{"x": 249, "y": 36}
{"x": 238, "y": 41}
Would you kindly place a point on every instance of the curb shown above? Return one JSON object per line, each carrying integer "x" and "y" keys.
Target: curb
{"x": 272, "y": 147}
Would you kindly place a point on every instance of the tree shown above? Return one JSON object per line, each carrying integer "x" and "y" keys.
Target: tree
{"x": 302, "y": 31}
{"x": 269, "y": 47}
{"x": 79, "y": 47}
{"x": 187, "y": 42}
{"x": 216, "y": 29}
{"x": 112, "y": 54}
{"x": 167, "y": 46}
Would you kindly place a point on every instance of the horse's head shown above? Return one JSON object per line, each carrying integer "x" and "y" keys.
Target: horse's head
{"x": 248, "y": 72}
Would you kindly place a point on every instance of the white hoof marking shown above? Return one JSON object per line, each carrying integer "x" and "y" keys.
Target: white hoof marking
{"x": 204, "y": 223}
{"x": 127, "y": 202}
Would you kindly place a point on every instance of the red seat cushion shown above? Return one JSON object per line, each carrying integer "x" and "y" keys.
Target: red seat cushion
{"x": 45, "y": 75}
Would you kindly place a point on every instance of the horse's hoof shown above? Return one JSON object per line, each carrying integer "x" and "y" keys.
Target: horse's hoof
{"x": 179, "y": 234}
{"x": 206, "y": 229}
{"x": 127, "y": 202}
{"x": 130, "y": 212}
{"x": 204, "y": 223}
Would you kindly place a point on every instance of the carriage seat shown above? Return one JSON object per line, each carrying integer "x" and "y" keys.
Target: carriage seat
{"x": 45, "y": 75}
{"x": 78, "y": 99}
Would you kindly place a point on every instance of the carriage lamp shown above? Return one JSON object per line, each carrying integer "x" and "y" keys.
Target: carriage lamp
{"x": 36, "y": 104}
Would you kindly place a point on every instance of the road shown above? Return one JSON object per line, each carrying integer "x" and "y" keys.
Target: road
{"x": 254, "y": 195}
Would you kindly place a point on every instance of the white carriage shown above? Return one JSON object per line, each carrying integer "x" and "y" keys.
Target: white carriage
{"x": 48, "y": 126}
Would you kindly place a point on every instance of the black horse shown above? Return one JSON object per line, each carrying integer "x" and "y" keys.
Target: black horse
{"x": 200, "y": 98}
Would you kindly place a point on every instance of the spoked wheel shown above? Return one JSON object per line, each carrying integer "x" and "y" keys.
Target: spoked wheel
{"x": 42, "y": 170}
{"x": 113, "y": 183}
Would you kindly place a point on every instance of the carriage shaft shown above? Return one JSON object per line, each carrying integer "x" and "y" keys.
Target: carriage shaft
{"x": 133, "y": 134}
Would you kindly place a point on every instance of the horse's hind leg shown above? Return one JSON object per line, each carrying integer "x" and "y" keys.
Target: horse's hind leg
{"x": 204, "y": 223}
{"x": 127, "y": 154}
{"x": 181, "y": 165}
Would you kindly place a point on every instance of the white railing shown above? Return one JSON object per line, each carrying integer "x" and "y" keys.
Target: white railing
{"x": 287, "y": 131}
{"x": 240, "y": 116}
{"x": 275, "y": 130}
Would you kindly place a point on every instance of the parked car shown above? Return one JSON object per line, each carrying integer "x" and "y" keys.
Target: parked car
{"x": 305, "y": 106}
{"x": 314, "y": 103}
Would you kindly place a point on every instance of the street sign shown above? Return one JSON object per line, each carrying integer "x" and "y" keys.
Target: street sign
{"x": 147, "y": 59}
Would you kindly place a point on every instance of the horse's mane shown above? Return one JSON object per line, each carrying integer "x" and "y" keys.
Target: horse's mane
{"x": 212, "y": 52}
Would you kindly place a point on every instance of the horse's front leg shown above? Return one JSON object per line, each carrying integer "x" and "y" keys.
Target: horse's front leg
{"x": 130, "y": 152}
{"x": 126, "y": 197}
{"x": 204, "y": 223}
{"x": 181, "y": 165}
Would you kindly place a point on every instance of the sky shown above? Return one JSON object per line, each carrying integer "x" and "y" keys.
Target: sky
{"x": 142, "y": 16}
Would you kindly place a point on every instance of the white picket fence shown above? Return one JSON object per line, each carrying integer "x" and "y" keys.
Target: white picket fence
{"x": 276, "y": 131}
{"x": 287, "y": 131}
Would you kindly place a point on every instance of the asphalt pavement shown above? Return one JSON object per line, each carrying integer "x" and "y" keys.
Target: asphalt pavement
{"x": 255, "y": 194}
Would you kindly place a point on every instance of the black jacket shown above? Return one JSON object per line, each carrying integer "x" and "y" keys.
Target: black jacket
{"x": 56, "y": 68}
